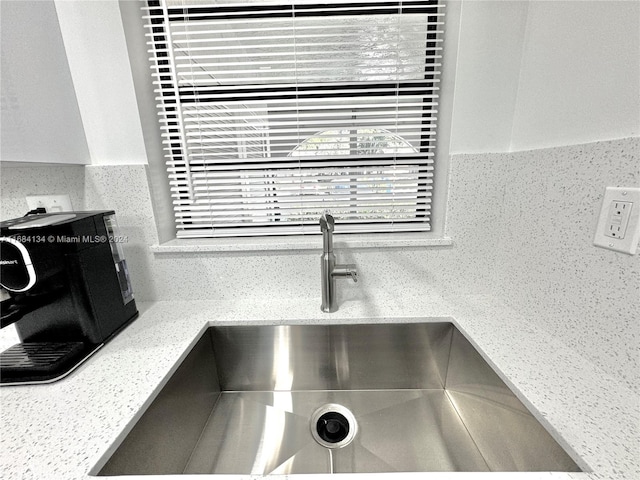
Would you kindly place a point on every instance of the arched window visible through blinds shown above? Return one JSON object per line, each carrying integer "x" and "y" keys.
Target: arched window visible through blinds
{"x": 273, "y": 112}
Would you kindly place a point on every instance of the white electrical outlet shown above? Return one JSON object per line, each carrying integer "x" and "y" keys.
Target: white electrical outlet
{"x": 51, "y": 203}
{"x": 619, "y": 223}
{"x": 618, "y": 219}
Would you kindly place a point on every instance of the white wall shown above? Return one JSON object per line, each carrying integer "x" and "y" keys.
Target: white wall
{"x": 95, "y": 44}
{"x": 530, "y": 74}
{"x": 535, "y": 74}
{"x": 488, "y": 68}
{"x": 580, "y": 74}
{"x": 40, "y": 120}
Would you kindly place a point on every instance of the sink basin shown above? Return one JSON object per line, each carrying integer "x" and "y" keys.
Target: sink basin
{"x": 412, "y": 397}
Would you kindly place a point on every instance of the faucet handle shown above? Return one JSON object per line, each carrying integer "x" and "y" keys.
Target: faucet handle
{"x": 346, "y": 271}
{"x": 354, "y": 274}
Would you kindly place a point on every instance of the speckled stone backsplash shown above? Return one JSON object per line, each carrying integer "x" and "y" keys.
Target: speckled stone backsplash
{"x": 396, "y": 274}
{"x": 545, "y": 264}
{"x": 522, "y": 225}
{"x": 18, "y": 182}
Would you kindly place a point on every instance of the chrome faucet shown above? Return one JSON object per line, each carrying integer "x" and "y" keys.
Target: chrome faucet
{"x": 329, "y": 270}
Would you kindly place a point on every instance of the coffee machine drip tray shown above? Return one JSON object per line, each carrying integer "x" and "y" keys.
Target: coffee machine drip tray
{"x": 42, "y": 362}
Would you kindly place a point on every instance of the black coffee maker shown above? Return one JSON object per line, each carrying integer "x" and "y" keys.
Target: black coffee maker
{"x": 68, "y": 291}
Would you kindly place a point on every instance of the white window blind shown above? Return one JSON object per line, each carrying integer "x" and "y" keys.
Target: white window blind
{"x": 273, "y": 112}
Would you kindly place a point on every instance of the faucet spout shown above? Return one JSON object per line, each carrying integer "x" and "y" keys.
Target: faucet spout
{"x": 329, "y": 269}
{"x": 327, "y": 223}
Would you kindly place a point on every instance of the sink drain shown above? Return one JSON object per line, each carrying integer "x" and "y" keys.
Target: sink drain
{"x": 333, "y": 426}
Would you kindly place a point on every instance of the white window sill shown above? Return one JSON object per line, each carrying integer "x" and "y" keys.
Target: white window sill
{"x": 299, "y": 242}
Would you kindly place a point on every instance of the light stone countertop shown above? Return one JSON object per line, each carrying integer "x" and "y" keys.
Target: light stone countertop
{"x": 61, "y": 431}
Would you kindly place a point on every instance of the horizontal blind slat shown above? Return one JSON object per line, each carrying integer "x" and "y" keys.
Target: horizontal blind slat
{"x": 256, "y": 232}
{"x": 206, "y": 203}
{"x": 310, "y": 190}
{"x": 415, "y": 87}
{"x": 399, "y": 209}
{"x": 354, "y": 175}
{"x": 307, "y": 174}
{"x": 175, "y": 165}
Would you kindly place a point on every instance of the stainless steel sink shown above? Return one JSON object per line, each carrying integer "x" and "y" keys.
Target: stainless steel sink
{"x": 335, "y": 398}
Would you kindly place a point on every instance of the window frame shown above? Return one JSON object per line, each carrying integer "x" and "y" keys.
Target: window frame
{"x": 161, "y": 195}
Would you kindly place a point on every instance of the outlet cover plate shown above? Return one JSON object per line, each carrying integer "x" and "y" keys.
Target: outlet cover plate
{"x": 628, "y": 244}
{"x": 51, "y": 203}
